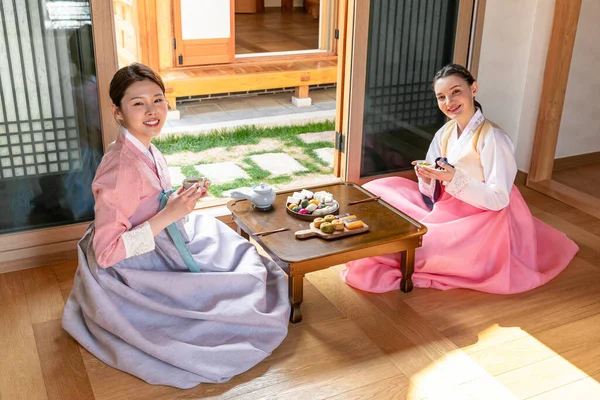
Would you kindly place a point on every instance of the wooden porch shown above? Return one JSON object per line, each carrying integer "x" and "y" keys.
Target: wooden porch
{"x": 145, "y": 33}
{"x": 250, "y": 75}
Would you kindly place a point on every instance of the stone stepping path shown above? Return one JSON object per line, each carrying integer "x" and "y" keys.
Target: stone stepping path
{"x": 278, "y": 163}
{"x": 219, "y": 173}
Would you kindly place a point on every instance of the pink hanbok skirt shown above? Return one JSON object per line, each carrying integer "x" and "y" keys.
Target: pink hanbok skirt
{"x": 506, "y": 251}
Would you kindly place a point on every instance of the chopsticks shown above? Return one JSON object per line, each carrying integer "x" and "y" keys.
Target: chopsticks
{"x": 364, "y": 200}
{"x": 264, "y": 233}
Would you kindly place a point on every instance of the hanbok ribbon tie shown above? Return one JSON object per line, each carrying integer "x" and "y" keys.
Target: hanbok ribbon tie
{"x": 438, "y": 186}
{"x": 437, "y": 192}
{"x": 176, "y": 236}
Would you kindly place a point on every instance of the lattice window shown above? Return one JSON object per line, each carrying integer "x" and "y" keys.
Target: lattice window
{"x": 38, "y": 148}
{"x": 39, "y": 133}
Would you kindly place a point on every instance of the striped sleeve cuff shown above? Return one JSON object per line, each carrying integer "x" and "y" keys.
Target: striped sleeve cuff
{"x": 138, "y": 240}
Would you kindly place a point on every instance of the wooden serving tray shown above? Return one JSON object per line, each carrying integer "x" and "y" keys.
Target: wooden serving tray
{"x": 316, "y": 232}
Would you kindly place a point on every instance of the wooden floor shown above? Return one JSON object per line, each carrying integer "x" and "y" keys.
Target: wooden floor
{"x": 428, "y": 344}
{"x": 272, "y": 30}
{"x": 584, "y": 178}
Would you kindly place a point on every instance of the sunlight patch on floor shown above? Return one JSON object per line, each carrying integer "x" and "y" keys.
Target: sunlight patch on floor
{"x": 520, "y": 368}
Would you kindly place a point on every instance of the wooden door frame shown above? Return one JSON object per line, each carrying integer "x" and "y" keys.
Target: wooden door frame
{"x": 343, "y": 64}
{"x": 329, "y": 16}
{"x": 44, "y": 246}
{"x": 354, "y": 80}
{"x": 163, "y": 35}
{"x": 105, "y": 53}
{"x": 554, "y": 87}
{"x": 475, "y": 51}
{"x": 178, "y": 36}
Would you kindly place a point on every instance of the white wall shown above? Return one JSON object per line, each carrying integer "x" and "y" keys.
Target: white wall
{"x": 205, "y": 19}
{"x": 277, "y": 3}
{"x": 580, "y": 125}
{"x": 511, "y": 67}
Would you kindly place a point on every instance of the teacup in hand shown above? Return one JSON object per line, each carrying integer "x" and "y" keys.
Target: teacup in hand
{"x": 422, "y": 163}
{"x": 187, "y": 183}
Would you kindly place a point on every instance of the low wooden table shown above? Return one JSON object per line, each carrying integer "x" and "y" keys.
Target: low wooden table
{"x": 391, "y": 231}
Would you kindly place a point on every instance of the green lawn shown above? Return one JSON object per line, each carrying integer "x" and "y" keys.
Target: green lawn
{"x": 239, "y": 136}
{"x": 234, "y": 138}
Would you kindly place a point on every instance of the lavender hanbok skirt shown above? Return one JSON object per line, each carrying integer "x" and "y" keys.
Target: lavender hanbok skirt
{"x": 150, "y": 317}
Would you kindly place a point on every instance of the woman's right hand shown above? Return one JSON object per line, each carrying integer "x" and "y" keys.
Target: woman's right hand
{"x": 183, "y": 202}
{"x": 427, "y": 181}
{"x": 179, "y": 205}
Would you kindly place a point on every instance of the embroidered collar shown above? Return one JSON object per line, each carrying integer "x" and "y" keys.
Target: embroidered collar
{"x": 466, "y": 136}
{"x": 136, "y": 142}
{"x": 476, "y": 120}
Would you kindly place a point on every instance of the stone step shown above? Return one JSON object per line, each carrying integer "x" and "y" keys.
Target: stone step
{"x": 278, "y": 163}
{"x": 220, "y": 173}
{"x": 326, "y": 154}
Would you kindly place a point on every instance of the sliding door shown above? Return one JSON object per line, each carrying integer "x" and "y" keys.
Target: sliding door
{"x": 395, "y": 47}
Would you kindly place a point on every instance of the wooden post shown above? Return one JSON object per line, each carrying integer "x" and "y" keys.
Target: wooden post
{"x": 556, "y": 76}
{"x": 300, "y": 98}
{"x": 103, "y": 23}
{"x": 287, "y": 5}
{"x": 301, "y": 92}
{"x": 172, "y": 101}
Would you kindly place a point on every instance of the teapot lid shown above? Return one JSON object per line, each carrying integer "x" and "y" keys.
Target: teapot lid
{"x": 262, "y": 188}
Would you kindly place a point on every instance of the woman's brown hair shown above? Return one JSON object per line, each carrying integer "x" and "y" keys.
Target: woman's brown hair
{"x": 458, "y": 70}
{"x": 127, "y": 76}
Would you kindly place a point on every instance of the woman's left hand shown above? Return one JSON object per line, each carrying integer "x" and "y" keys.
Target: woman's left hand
{"x": 445, "y": 174}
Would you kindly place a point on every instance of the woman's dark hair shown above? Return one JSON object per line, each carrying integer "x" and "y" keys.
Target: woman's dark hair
{"x": 127, "y": 76}
{"x": 458, "y": 70}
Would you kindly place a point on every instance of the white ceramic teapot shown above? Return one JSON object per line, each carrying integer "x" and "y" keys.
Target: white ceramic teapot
{"x": 261, "y": 196}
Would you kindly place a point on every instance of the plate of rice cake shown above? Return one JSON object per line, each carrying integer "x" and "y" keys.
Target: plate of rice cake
{"x": 329, "y": 227}
{"x": 307, "y": 205}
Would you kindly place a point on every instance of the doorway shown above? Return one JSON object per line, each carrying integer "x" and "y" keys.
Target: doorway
{"x": 273, "y": 30}
{"x": 209, "y": 32}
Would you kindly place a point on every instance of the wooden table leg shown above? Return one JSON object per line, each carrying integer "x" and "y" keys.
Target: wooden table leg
{"x": 295, "y": 289}
{"x": 287, "y": 5}
{"x": 243, "y": 233}
{"x": 407, "y": 266}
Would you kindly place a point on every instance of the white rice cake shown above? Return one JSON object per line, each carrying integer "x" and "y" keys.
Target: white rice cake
{"x": 307, "y": 194}
{"x": 293, "y": 199}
